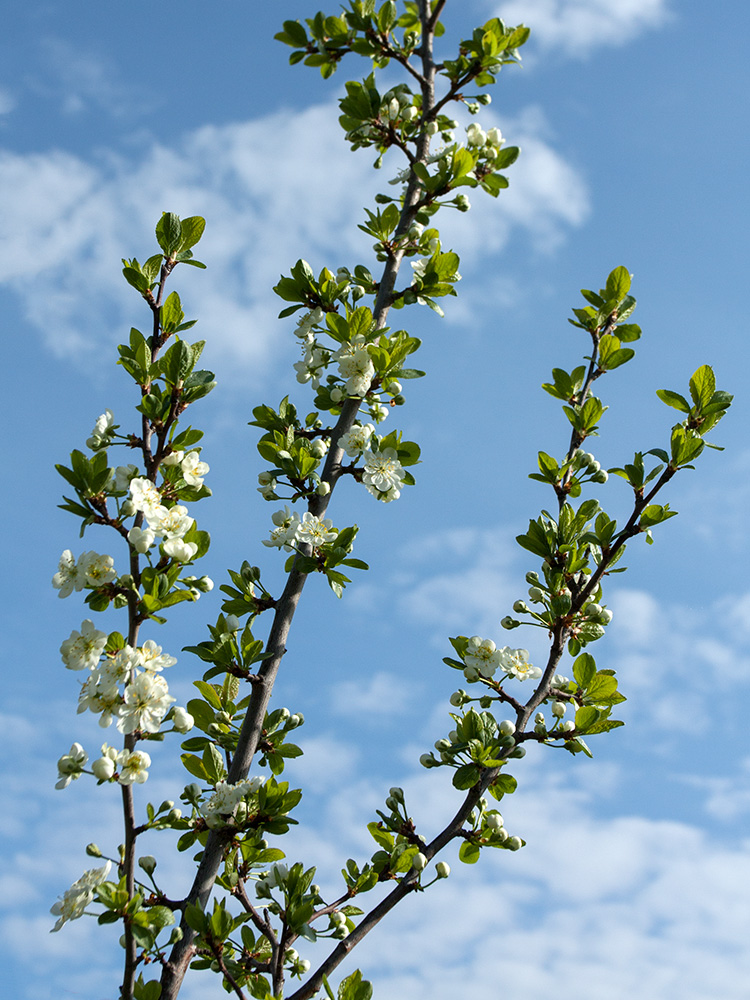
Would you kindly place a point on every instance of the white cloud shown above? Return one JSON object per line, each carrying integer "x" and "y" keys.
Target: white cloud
{"x": 382, "y": 694}
{"x": 576, "y": 27}
{"x": 7, "y": 101}
{"x": 272, "y": 190}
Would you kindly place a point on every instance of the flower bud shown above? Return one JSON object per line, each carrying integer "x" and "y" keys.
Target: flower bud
{"x": 536, "y": 594}
{"x": 419, "y": 862}
{"x": 539, "y": 717}
{"x": 318, "y": 447}
{"x": 93, "y": 850}
{"x": 495, "y": 821}
{"x": 457, "y": 698}
{"x": 397, "y": 794}
{"x": 336, "y": 395}
{"x": 147, "y": 863}
{"x": 103, "y": 768}
{"x": 518, "y": 752}
{"x": 509, "y": 622}
{"x": 182, "y": 720}
{"x": 558, "y": 709}
{"x": 232, "y": 623}
{"x": 427, "y": 760}
{"x": 514, "y": 843}
{"x": 568, "y": 725}
{"x": 506, "y": 728}
{"x": 520, "y": 607}
{"x": 431, "y": 128}
{"x": 442, "y": 869}
{"x": 462, "y": 203}
{"x": 323, "y": 489}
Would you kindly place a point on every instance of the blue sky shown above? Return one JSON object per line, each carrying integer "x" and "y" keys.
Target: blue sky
{"x": 636, "y": 866}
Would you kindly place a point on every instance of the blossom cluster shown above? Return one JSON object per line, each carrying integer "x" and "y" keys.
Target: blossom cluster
{"x": 224, "y": 804}
{"x": 383, "y": 473}
{"x": 483, "y": 659}
{"x": 89, "y": 570}
{"x": 292, "y": 530}
{"x": 74, "y": 900}
{"x": 125, "y": 686}
{"x": 169, "y": 523}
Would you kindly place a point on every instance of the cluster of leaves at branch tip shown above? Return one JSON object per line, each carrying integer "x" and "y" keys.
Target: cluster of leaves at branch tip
{"x": 355, "y": 366}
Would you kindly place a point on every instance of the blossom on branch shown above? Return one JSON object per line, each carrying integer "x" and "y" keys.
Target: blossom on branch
{"x": 83, "y": 649}
{"x": 74, "y": 900}
{"x": 383, "y": 475}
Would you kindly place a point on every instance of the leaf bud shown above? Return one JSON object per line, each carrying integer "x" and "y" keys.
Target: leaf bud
{"x": 442, "y": 869}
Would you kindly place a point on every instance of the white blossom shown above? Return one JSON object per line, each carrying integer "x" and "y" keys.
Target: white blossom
{"x": 70, "y": 766}
{"x": 83, "y": 649}
{"x": 170, "y": 522}
{"x": 101, "y": 435}
{"x": 383, "y": 475}
{"x": 141, "y": 539}
{"x": 97, "y": 570}
{"x": 193, "y": 470}
{"x": 103, "y": 768}
{"x": 222, "y": 805}
{"x": 284, "y": 535}
{"x": 475, "y": 135}
{"x": 146, "y": 702}
{"x": 145, "y": 495}
{"x": 74, "y": 900}
{"x": 357, "y": 439}
{"x": 133, "y": 767}
{"x": 482, "y": 655}
{"x": 180, "y": 550}
{"x": 67, "y": 578}
{"x": 173, "y": 458}
{"x": 123, "y": 475}
{"x": 515, "y": 662}
{"x": 316, "y": 531}
{"x": 152, "y": 658}
{"x": 182, "y": 720}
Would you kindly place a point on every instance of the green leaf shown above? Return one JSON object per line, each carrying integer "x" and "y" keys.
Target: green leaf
{"x": 584, "y": 670}
{"x": 469, "y": 852}
{"x": 169, "y": 233}
{"x": 673, "y": 399}
{"x": 703, "y": 386}
{"x": 618, "y": 284}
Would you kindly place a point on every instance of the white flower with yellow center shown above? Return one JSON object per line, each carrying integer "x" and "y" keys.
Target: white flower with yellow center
{"x": 515, "y": 662}
{"x": 83, "y": 649}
